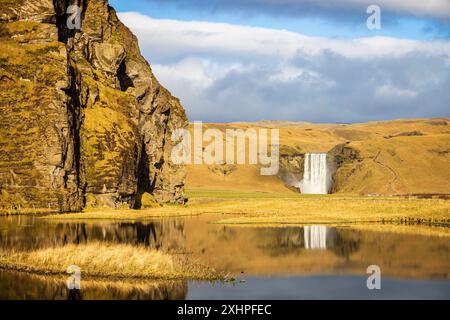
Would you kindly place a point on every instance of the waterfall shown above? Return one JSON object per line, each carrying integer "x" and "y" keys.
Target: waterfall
{"x": 316, "y": 176}
{"x": 315, "y": 237}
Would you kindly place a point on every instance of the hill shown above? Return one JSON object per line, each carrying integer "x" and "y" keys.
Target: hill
{"x": 387, "y": 157}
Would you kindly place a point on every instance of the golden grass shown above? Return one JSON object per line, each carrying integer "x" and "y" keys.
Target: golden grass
{"x": 106, "y": 260}
{"x": 167, "y": 211}
{"x": 418, "y": 229}
{"x": 329, "y": 209}
{"x": 25, "y": 212}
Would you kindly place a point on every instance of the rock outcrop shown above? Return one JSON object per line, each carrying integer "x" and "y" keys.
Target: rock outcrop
{"x": 291, "y": 166}
{"x": 84, "y": 121}
{"x": 343, "y": 158}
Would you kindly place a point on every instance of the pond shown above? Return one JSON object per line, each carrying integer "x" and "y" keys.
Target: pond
{"x": 289, "y": 262}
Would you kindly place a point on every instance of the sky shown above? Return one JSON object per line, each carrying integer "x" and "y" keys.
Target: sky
{"x": 297, "y": 60}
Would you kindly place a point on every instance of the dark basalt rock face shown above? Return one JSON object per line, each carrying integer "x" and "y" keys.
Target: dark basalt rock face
{"x": 84, "y": 121}
{"x": 291, "y": 166}
{"x": 343, "y": 157}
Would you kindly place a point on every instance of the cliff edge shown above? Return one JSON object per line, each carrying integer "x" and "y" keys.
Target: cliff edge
{"x": 84, "y": 121}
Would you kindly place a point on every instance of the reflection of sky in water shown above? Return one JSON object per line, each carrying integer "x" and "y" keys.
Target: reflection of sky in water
{"x": 319, "y": 287}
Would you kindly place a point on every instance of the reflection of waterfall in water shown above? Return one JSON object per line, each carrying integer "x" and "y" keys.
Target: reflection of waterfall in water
{"x": 315, "y": 237}
{"x": 316, "y": 175}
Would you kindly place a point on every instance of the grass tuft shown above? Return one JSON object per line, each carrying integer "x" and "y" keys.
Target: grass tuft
{"x": 106, "y": 260}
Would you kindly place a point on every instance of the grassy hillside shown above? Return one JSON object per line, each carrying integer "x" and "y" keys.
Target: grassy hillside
{"x": 395, "y": 157}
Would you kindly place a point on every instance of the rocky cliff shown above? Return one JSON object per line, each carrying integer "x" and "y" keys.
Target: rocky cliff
{"x": 291, "y": 166}
{"x": 84, "y": 121}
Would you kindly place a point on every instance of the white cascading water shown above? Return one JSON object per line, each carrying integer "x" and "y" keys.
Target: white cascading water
{"x": 316, "y": 176}
{"x": 315, "y": 237}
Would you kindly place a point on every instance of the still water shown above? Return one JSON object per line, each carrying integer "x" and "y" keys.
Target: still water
{"x": 312, "y": 262}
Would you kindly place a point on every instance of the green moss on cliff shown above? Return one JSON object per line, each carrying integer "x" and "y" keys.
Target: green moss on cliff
{"x": 76, "y": 109}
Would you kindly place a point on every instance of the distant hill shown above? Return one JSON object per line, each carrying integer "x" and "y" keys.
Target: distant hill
{"x": 388, "y": 157}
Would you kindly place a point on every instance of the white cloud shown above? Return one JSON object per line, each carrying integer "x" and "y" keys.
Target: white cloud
{"x": 173, "y": 37}
{"x": 230, "y": 72}
{"x": 195, "y": 73}
{"x": 390, "y": 91}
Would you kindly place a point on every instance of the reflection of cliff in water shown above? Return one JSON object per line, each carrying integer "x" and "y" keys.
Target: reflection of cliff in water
{"x": 32, "y": 234}
{"x": 289, "y": 240}
{"x": 345, "y": 243}
{"x": 20, "y": 286}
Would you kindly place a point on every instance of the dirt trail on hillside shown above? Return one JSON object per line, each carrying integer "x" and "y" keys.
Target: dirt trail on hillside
{"x": 394, "y": 174}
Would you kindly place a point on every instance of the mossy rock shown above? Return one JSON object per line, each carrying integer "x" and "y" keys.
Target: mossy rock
{"x": 148, "y": 201}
